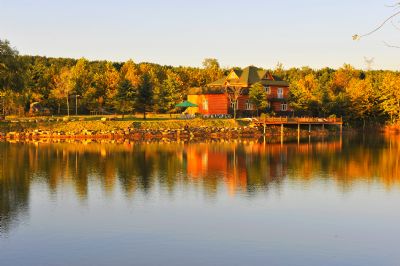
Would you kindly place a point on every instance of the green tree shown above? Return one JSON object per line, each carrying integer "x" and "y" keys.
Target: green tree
{"x": 169, "y": 93}
{"x": 125, "y": 96}
{"x": 12, "y": 75}
{"x": 11, "y": 71}
{"x": 144, "y": 99}
{"x": 258, "y": 96}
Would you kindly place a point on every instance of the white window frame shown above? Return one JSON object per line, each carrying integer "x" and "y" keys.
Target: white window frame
{"x": 284, "y": 107}
{"x": 249, "y": 105}
{"x": 280, "y": 93}
{"x": 233, "y": 105}
{"x": 267, "y": 89}
{"x": 205, "y": 104}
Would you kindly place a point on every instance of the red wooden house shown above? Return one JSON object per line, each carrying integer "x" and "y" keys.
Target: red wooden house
{"x": 213, "y": 99}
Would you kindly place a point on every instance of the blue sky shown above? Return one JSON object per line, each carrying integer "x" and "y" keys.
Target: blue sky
{"x": 315, "y": 33}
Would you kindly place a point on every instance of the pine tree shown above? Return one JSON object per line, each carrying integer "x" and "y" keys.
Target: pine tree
{"x": 144, "y": 99}
{"x": 170, "y": 93}
{"x": 125, "y": 96}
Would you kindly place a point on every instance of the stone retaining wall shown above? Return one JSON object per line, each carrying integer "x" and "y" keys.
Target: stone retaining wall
{"x": 149, "y": 134}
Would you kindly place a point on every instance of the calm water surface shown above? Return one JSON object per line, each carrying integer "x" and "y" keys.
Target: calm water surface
{"x": 329, "y": 201}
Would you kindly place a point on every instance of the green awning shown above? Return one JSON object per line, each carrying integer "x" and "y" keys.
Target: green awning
{"x": 186, "y": 104}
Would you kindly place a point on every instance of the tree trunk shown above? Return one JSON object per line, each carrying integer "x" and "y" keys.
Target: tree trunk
{"x": 144, "y": 114}
{"x": 68, "y": 105}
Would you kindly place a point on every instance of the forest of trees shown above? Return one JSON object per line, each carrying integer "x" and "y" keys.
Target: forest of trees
{"x": 64, "y": 86}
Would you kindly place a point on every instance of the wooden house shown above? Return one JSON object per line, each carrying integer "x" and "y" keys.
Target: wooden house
{"x": 213, "y": 99}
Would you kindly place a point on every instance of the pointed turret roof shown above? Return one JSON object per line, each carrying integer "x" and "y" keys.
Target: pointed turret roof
{"x": 247, "y": 77}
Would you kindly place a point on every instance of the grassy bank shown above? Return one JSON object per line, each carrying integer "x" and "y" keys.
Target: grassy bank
{"x": 139, "y": 129}
{"x": 98, "y": 125}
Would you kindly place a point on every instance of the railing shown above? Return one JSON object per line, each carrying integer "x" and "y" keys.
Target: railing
{"x": 300, "y": 120}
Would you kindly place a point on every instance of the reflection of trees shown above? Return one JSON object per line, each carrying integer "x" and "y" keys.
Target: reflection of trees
{"x": 239, "y": 167}
{"x": 371, "y": 159}
{"x": 144, "y": 169}
{"x": 266, "y": 165}
{"x": 14, "y": 184}
{"x": 246, "y": 167}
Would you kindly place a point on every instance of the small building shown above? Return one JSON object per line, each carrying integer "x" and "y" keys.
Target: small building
{"x": 213, "y": 99}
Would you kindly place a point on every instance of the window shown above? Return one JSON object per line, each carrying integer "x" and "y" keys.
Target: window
{"x": 280, "y": 93}
{"x": 205, "y": 104}
{"x": 267, "y": 89}
{"x": 269, "y": 105}
{"x": 284, "y": 107}
{"x": 249, "y": 105}
{"x": 234, "y": 104}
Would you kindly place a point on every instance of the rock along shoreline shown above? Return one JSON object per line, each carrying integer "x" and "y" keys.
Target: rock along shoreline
{"x": 144, "y": 130}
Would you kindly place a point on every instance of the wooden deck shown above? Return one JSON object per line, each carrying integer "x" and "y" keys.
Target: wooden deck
{"x": 298, "y": 121}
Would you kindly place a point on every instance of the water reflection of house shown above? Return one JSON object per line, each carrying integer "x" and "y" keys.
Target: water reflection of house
{"x": 252, "y": 165}
{"x": 236, "y": 177}
{"x": 206, "y": 163}
{"x": 237, "y": 166}
{"x": 201, "y": 161}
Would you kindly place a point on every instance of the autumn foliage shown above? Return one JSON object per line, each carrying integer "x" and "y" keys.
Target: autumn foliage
{"x": 62, "y": 86}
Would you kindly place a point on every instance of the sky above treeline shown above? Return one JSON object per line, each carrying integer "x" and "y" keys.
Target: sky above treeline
{"x": 315, "y": 33}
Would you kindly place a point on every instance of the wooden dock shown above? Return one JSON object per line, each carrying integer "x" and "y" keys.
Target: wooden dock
{"x": 282, "y": 121}
{"x": 299, "y": 120}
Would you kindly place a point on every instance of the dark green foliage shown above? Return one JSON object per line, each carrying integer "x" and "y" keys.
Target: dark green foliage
{"x": 125, "y": 96}
{"x": 170, "y": 93}
{"x": 258, "y": 97}
{"x": 144, "y": 97}
{"x": 11, "y": 68}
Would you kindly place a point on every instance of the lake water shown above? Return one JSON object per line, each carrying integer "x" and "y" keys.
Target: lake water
{"x": 332, "y": 201}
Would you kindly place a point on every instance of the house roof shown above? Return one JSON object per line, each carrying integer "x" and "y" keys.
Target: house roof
{"x": 247, "y": 77}
{"x": 206, "y": 90}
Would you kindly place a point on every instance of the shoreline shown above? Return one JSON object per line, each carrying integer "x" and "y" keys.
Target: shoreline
{"x": 193, "y": 129}
{"x": 170, "y": 134}
{"x": 149, "y": 138}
